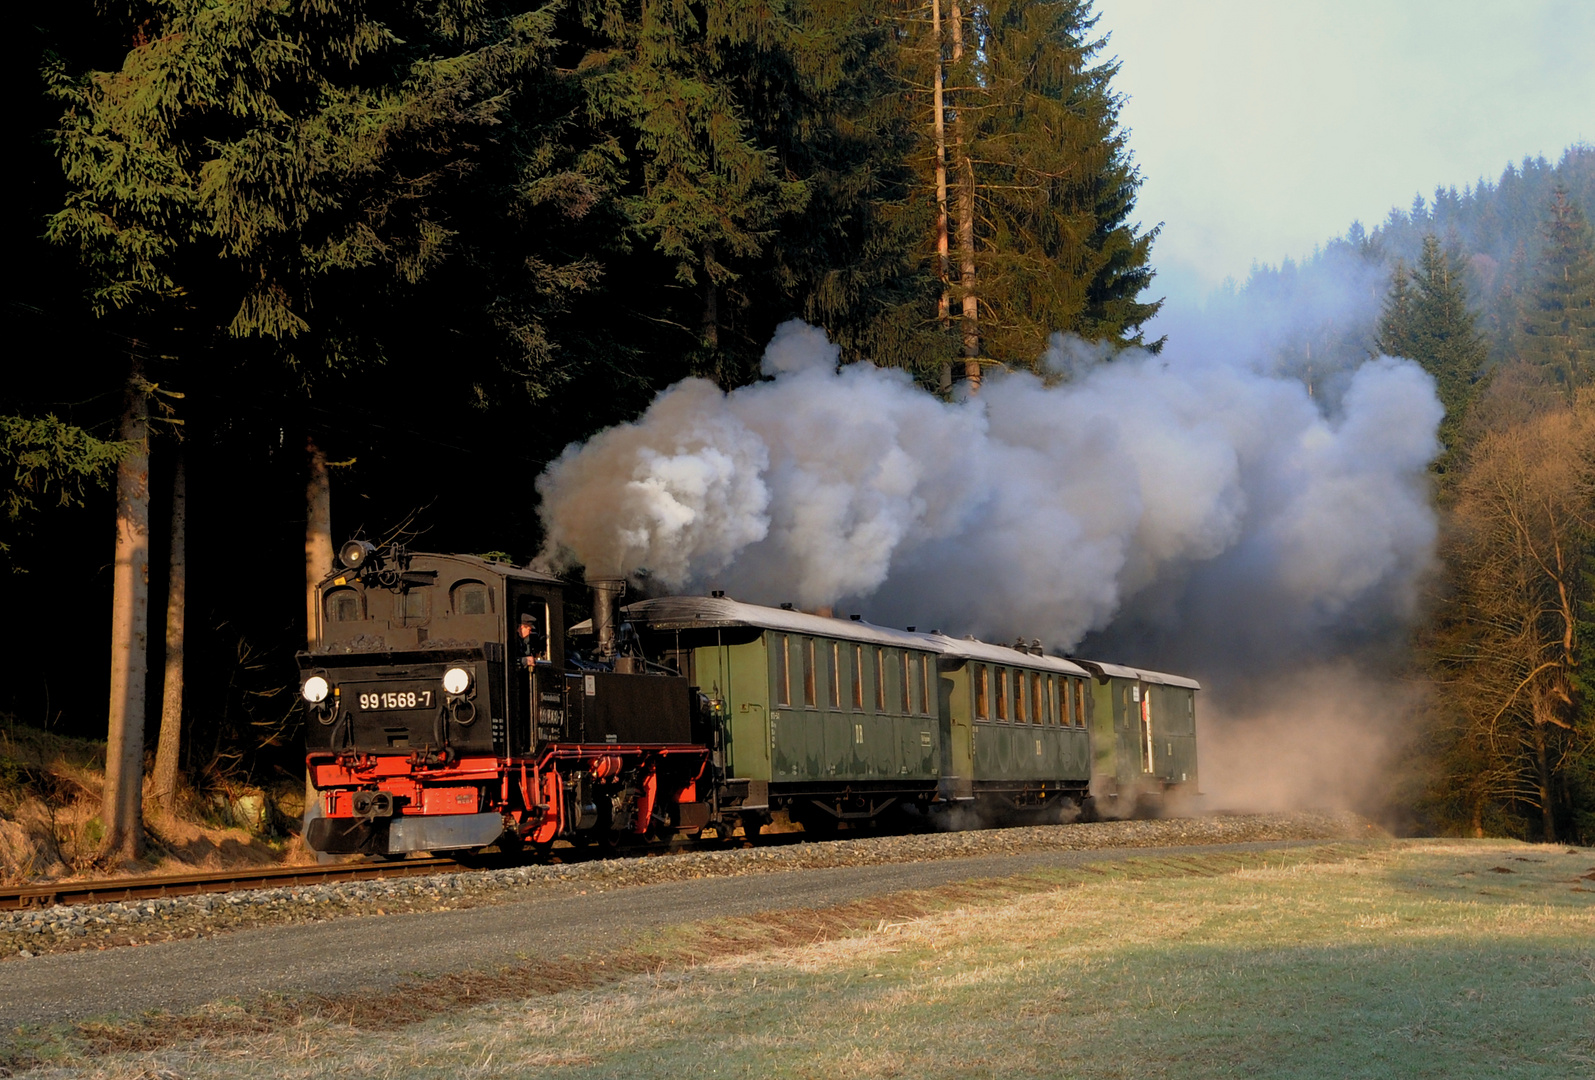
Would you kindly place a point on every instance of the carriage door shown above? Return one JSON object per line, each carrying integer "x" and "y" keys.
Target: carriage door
{"x": 1145, "y": 698}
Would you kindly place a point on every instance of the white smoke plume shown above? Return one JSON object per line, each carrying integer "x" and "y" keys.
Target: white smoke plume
{"x": 1044, "y": 510}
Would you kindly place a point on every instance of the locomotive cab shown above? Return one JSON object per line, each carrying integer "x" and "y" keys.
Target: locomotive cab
{"x": 444, "y": 711}
{"x": 416, "y": 655}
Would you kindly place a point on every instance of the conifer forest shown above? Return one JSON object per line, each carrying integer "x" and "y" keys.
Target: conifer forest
{"x": 386, "y": 261}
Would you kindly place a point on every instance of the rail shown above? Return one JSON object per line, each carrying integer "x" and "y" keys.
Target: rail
{"x": 155, "y": 886}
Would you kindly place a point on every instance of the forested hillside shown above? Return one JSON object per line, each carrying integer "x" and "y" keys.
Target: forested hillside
{"x": 1493, "y": 292}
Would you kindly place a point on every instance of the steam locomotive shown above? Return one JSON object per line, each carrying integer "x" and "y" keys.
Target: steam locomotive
{"x": 449, "y": 708}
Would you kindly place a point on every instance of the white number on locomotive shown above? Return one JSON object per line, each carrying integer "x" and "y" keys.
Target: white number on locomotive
{"x": 404, "y": 699}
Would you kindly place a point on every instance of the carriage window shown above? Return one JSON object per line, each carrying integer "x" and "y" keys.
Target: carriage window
{"x": 1002, "y": 693}
{"x": 808, "y": 672}
{"x": 1019, "y": 715}
{"x": 343, "y": 605}
{"x": 916, "y": 679}
{"x": 858, "y": 677}
{"x": 903, "y": 671}
{"x": 1079, "y": 702}
{"x": 1048, "y": 699}
{"x": 928, "y": 666}
{"x": 783, "y": 682}
{"x": 880, "y": 680}
{"x": 471, "y": 598}
{"x": 982, "y": 693}
{"x": 835, "y": 681}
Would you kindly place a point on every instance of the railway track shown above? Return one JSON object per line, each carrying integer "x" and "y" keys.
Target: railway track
{"x": 14, "y": 898}
{"x": 114, "y": 890}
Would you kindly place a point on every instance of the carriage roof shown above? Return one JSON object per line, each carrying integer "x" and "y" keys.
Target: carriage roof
{"x": 709, "y": 612}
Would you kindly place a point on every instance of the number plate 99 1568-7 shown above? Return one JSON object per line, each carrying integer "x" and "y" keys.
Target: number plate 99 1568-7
{"x": 393, "y": 700}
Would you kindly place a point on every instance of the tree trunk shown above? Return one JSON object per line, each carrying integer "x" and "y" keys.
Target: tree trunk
{"x": 967, "y": 283}
{"x": 1542, "y": 766}
{"x": 166, "y": 752}
{"x": 711, "y": 300}
{"x": 318, "y": 537}
{"x": 943, "y": 258}
{"x": 122, "y": 805}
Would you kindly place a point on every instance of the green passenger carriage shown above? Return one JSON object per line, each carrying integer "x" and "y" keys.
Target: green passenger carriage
{"x": 839, "y": 720}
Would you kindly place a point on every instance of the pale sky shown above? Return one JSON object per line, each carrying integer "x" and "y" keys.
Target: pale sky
{"x": 1264, "y": 128}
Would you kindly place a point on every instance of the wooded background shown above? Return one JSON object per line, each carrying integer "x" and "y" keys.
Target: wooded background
{"x": 409, "y": 251}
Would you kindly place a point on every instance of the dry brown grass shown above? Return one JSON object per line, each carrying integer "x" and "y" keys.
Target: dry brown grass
{"x": 1409, "y": 959}
{"x": 50, "y": 788}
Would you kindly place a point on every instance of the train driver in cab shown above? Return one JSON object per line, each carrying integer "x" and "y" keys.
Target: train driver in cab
{"x": 531, "y": 639}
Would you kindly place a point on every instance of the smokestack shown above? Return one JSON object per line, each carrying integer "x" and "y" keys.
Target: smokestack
{"x": 606, "y": 612}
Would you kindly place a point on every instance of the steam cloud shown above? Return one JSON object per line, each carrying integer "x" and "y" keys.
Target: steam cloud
{"x": 1137, "y": 487}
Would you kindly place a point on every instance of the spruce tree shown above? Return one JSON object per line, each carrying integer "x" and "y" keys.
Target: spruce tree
{"x": 848, "y": 258}
{"x": 258, "y": 193}
{"x": 1061, "y": 187}
{"x": 271, "y": 174}
{"x": 1558, "y": 330}
{"x": 1053, "y": 183}
{"x": 1427, "y": 318}
{"x": 46, "y": 462}
{"x": 679, "y": 83}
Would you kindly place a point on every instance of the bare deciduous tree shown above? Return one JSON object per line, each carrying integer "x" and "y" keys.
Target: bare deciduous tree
{"x": 1506, "y": 645}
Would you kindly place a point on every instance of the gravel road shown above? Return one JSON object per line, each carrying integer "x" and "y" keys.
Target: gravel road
{"x": 559, "y": 918}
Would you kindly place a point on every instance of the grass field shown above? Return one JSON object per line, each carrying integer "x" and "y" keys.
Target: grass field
{"x": 1412, "y": 959}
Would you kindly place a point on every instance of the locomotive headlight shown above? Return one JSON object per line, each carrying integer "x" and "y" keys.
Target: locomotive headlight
{"x": 456, "y": 680}
{"x": 354, "y": 554}
{"x": 315, "y": 690}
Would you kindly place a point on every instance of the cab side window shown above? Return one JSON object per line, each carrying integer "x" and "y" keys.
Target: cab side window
{"x": 535, "y": 644}
{"x": 414, "y": 604}
{"x": 343, "y": 605}
{"x": 471, "y": 598}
